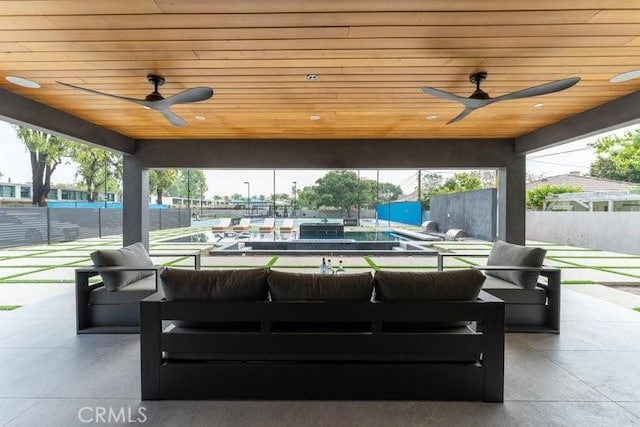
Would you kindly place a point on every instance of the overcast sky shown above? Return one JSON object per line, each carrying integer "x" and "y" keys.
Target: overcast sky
{"x": 14, "y": 164}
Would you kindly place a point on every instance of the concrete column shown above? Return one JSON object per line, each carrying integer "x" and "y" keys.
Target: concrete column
{"x": 511, "y": 201}
{"x": 135, "y": 200}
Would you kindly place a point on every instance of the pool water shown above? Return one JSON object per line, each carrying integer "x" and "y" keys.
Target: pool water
{"x": 360, "y": 236}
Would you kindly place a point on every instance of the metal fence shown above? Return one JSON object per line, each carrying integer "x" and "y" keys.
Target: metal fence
{"x": 33, "y": 226}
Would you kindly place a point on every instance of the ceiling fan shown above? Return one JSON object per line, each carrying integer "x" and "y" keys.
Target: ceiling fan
{"x": 155, "y": 101}
{"x": 480, "y": 98}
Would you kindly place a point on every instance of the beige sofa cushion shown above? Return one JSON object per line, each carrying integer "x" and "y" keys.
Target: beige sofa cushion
{"x": 130, "y": 294}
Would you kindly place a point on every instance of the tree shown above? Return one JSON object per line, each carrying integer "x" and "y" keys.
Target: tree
{"x": 536, "y": 196}
{"x": 189, "y": 183}
{"x": 389, "y": 192}
{"x": 618, "y": 157}
{"x": 95, "y": 167}
{"x": 430, "y": 183}
{"x": 372, "y": 192}
{"x": 46, "y": 153}
{"x": 307, "y": 198}
{"x": 338, "y": 189}
{"x": 605, "y": 167}
{"x": 160, "y": 180}
{"x": 459, "y": 182}
{"x": 462, "y": 181}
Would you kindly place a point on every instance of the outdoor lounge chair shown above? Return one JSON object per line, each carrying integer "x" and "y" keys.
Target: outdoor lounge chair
{"x": 244, "y": 225}
{"x": 112, "y": 304}
{"x": 286, "y": 226}
{"x": 267, "y": 226}
{"x": 223, "y": 225}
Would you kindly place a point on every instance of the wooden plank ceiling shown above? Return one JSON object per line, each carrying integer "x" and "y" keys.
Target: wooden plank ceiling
{"x": 371, "y": 56}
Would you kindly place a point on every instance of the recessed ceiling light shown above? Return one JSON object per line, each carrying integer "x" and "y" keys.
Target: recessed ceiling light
{"x": 314, "y": 117}
{"x": 538, "y": 105}
{"x": 312, "y": 77}
{"x": 21, "y": 81}
{"x": 432, "y": 117}
{"x": 201, "y": 118}
{"x": 625, "y": 76}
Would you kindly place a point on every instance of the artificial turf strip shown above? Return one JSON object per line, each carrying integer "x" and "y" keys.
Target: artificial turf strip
{"x": 606, "y": 270}
{"x": 636, "y": 308}
{"x": 9, "y": 307}
{"x": 371, "y": 263}
{"x": 7, "y": 279}
{"x": 579, "y": 282}
{"x": 272, "y": 261}
{"x": 471, "y": 263}
{"x": 170, "y": 263}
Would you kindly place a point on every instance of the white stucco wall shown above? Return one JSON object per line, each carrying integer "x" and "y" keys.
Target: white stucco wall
{"x": 611, "y": 231}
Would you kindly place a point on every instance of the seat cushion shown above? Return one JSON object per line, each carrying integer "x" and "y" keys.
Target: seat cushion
{"x": 284, "y": 286}
{"x": 130, "y": 294}
{"x": 438, "y": 285}
{"x": 511, "y": 293}
{"x": 130, "y": 256}
{"x": 231, "y": 285}
{"x": 508, "y": 254}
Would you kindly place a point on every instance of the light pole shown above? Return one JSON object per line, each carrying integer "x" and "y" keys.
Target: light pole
{"x": 105, "y": 183}
{"x": 295, "y": 196}
{"x": 248, "y": 197}
{"x": 189, "y": 190}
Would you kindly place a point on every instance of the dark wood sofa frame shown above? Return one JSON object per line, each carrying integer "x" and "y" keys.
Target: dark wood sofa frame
{"x": 112, "y": 318}
{"x": 322, "y": 350}
{"x": 526, "y": 317}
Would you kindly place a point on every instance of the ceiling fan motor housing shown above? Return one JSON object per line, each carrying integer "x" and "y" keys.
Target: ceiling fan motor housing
{"x": 156, "y": 81}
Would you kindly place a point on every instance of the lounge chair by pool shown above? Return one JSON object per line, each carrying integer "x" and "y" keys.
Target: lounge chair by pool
{"x": 287, "y": 226}
{"x": 244, "y": 225}
{"x": 223, "y": 225}
{"x": 267, "y": 226}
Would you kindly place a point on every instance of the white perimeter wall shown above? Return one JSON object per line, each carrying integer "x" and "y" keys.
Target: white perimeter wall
{"x": 611, "y": 231}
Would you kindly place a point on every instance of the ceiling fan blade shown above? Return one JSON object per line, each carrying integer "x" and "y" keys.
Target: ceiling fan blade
{"x": 444, "y": 94}
{"x": 467, "y": 102}
{"x": 465, "y": 113}
{"x": 542, "y": 89}
{"x": 196, "y": 94}
{"x": 135, "y": 101}
{"x": 174, "y": 119}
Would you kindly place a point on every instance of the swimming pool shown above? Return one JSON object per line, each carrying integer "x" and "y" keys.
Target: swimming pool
{"x": 358, "y": 236}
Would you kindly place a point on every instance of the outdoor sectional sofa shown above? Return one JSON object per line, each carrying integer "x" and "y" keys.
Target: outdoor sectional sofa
{"x": 530, "y": 290}
{"x": 112, "y": 304}
{"x": 260, "y": 334}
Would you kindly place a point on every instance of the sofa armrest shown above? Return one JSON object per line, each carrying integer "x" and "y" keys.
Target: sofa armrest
{"x": 552, "y": 287}
{"x": 83, "y": 274}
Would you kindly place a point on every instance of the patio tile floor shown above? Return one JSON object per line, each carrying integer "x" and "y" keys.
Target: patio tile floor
{"x": 587, "y": 375}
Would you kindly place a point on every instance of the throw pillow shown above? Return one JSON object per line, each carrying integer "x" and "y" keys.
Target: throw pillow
{"x": 503, "y": 253}
{"x": 129, "y": 256}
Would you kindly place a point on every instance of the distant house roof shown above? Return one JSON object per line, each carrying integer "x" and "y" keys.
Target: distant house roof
{"x": 587, "y": 183}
